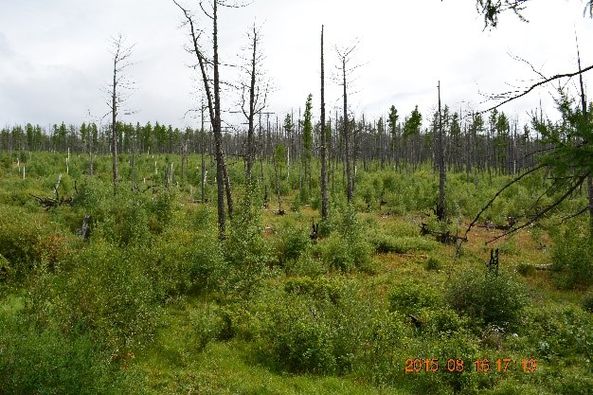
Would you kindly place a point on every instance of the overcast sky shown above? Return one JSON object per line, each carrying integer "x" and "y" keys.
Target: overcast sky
{"x": 55, "y": 55}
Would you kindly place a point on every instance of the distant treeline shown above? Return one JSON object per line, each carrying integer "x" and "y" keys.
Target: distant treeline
{"x": 471, "y": 143}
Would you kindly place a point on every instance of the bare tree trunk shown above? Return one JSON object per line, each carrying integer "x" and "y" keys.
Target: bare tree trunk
{"x": 90, "y": 147}
{"x": 346, "y": 135}
{"x": 114, "y": 108}
{"x": 251, "y": 115}
{"x": 323, "y": 144}
{"x": 203, "y": 164}
{"x": 183, "y": 159}
{"x": 221, "y": 178}
{"x": 441, "y": 211}
{"x": 214, "y": 110}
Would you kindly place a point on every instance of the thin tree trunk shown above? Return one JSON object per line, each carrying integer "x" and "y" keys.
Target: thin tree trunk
{"x": 346, "y": 136}
{"x": 251, "y": 116}
{"x": 114, "y": 105}
{"x": 441, "y": 213}
{"x": 323, "y": 145}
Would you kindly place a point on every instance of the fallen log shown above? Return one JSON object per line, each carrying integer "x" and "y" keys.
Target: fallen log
{"x": 511, "y": 221}
{"x": 48, "y": 203}
{"x": 441, "y": 237}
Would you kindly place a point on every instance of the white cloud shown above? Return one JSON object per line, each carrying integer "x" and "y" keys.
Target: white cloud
{"x": 54, "y": 56}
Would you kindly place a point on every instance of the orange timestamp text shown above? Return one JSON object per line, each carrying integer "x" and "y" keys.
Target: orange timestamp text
{"x": 480, "y": 365}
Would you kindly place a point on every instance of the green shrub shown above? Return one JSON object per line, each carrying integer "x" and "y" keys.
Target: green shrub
{"x": 324, "y": 328}
{"x": 559, "y": 331}
{"x": 573, "y": 258}
{"x": 579, "y": 382}
{"x": 45, "y": 361}
{"x": 338, "y": 254}
{"x": 91, "y": 193}
{"x": 347, "y": 249}
{"x": 125, "y": 221}
{"x": 489, "y": 298}
{"x": 306, "y": 265}
{"x": 442, "y": 322}
{"x": 410, "y": 298}
{"x": 208, "y": 324}
{"x": 246, "y": 251}
{"x": 292, "y": 243}
{"x": 318, "y": 289}
{"x": 183, "y": 261}
{"x": 433, "y": 263}
{"x": 106, "y": 294}
{"x": 29, "y": 240}
{"x": 161, "y": 208}
{"x": 19, "y": 235}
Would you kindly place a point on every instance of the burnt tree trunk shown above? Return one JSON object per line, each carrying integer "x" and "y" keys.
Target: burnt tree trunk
{"x": 323, "y": 143}
{"x": 441, "y": 211}
{"x": 347, "y": 154}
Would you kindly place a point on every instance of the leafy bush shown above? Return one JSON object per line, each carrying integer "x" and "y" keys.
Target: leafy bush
{"x": 46, "y": 361}
{"x": 433, "y": 263}
{"x": 292, "y": 243}
{"x": 246, "y": 251}
{"x": 161, "y": 208}
{"x": 489, "y": 298}
{"x": 442, "y": 322}
{"x": 347, "y": 249}
{"x": 411, "y": 297}
{"x": 306, "y": 265}
{"x": 559, "y": 331}
{"x": 28, "y": 240}
{"x": 125, "y": 221}
{"x": 184, "y": 261}
{"x": 318, "y": 289}
{"x": 337, "y": 254}
{"x": 579, "y": 382}
{"x": 19, "y": 234}
{"x": 573, "y": 258}
{"x": 91, "y": 193}
{"x": 322, "y": 327}
{"x": 106, "y": 294}
{"x": 208, "y": 324}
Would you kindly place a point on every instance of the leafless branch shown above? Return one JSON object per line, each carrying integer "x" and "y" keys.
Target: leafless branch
{"x": 510, "y": 183}
{"x": 536, "y": 85}
{"x": 544, "y": 211}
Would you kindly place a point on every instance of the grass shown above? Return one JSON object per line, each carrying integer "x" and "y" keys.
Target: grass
{"x": 172, "y": 365}
{"x": 177, "y": 361}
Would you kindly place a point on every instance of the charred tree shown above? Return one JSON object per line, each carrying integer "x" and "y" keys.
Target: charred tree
{"x": 323, "y": 142}
{"x": 441, "y": 210}
{"x": 344, "y": 68}
{"x": 256, "y": 102}
{"x": 212, "y": 92}
{"x": 121, "y": 55}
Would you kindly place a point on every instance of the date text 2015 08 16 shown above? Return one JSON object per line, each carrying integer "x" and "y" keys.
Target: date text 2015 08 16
{"x": 482, "y": 365}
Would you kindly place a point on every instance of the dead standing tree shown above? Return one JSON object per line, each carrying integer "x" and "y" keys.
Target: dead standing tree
{"x": 212, "y": 92}
{"x": 121, "y": 55}
{"x": 323, "y": 143}
{"x": 257, "y": 98}
{"x": 440, "y": 209}
{"x": 345, "y": 57}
